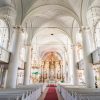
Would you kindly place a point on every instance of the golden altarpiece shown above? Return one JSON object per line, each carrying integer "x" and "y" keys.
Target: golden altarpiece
{"x": 51, "y": 69}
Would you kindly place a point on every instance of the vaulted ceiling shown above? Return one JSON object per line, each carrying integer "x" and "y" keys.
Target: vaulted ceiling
{"x": 41, "y": 18}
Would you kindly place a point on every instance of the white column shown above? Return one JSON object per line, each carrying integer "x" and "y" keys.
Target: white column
{"x": 88, "y": 68}
{"x": 74, "y": 67}
{"x": 27, "y": 66}
{"x": 5, "y": 78}
{"x": 13, "y": 64}
{"x": 70, "y": 64}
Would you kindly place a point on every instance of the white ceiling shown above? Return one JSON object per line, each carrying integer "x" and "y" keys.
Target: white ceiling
{"x": 44, "y": 17}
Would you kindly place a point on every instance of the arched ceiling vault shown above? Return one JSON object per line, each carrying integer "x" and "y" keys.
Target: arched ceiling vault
{"x": 41, "y": 18}
{"x": 46, "y": 51}
{"x": 50, "y": 47}
{"x": 24, "y": 7}
{"x": 45, "y": 42}
{"x": 27, "y": 10}
{"x": 59, "y": 15}
{"x": 45, "y": 17}
{"x": 43, "y": 35}
{"x": 62, "y": 23}
{"x": 49, "y": 55}
{"x": 49, "y": 10}
{"x": 49, "y": 13}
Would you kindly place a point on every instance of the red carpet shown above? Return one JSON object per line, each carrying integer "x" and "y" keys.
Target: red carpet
{"x": 51, "y": 94}
{"x": 51, "y": 85}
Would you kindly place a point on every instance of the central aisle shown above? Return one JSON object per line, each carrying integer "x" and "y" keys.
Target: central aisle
{"x": 51, "y": 94}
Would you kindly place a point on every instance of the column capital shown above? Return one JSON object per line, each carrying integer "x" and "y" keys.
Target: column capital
{"x": 18, "y": 28}
{"x": 28, "y": 44}
{"x": 73, "y": 45}
{"x": 83, "y": 28}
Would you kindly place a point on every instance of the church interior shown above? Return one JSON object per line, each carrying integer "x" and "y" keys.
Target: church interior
{"x": 49, "y": 49}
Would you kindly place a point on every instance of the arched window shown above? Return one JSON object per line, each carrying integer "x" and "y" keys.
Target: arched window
{"x": 79, "y": 47}
{"x": 4, "y": 34}
{"x": 97, "y": 35}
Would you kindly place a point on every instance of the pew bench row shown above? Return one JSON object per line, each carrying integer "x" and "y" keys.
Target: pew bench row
{"x": 79, "y": 93}
{"x": 32, "y": 92}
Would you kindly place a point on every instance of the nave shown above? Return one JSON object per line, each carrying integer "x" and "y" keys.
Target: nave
{"x": 49, "y": 48}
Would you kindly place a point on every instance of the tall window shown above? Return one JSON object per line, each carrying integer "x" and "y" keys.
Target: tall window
{"x": 3, "y": 34}
{"x": 97, "y": 35}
